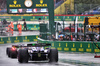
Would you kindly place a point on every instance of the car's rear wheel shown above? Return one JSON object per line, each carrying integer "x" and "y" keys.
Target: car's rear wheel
{"x": 23, "y": 55}
{"x": 53, "y": 55}
{"x": 13, "y": 54}
{"x": 8, "y": 51}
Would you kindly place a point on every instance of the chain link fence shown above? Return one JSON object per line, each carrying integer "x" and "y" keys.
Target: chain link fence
{"x": 71, "y": 32}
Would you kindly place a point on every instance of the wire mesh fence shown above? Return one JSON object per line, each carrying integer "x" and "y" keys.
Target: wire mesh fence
{"x": 71, "y": 32}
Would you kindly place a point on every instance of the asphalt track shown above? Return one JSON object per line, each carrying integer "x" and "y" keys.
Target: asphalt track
{"x": 5, "y": 61}
{"x": 65, "y": 59}
{"x": 24, "y": 33}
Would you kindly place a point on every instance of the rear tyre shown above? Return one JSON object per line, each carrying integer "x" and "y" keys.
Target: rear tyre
{"x": 23, "y": 55}
{"x": 13, "y": 54}
{"x": 8, "y": 51}
{"x": 53, "y": 56}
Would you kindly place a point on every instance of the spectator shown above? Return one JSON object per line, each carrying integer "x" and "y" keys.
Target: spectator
{"x": 4, "y": 21}
{"x": 74, "y": 39}
{"x": 60, "y": 32}
{"x": 71, "y": 38}
{"x": 19, "y": 27}
{"x": 25, "y": 26}
{"x": 88, "y": 38}
{"x": 53, "y": 37}
{"x": 66, "y": 38}
{"x": 80, "y": 38}
{"x": 60, "y": 38}
{"x": 11, "y": 27}
{"x": 83, "y": 38}
{"x": 97, "y": 37}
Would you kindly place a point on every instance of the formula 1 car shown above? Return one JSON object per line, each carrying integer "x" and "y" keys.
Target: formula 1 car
{"x": 37, "y": 52}
{"x": 13, "y": 51}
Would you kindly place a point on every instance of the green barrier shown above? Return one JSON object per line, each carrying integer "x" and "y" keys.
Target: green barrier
{"x": 29, "y": 27}
{"x": 17, "y": 39}
{"x": 69, "y": 46}
{"x": 36, "y": 18}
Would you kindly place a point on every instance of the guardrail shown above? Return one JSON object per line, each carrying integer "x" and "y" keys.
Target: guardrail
{"x": 71, "y": 46}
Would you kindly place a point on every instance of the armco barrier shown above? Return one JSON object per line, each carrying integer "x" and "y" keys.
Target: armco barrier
{"x": 17, "y": 39}
{"x": 70, "y": 46}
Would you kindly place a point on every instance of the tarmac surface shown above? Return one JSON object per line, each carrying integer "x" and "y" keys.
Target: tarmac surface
{"x": 65, "y": 59}
{"x": 24, "y": 33}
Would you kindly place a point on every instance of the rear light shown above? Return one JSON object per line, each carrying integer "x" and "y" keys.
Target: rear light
{"x": 92, "y": 26}
{"x": 13, "y": 48}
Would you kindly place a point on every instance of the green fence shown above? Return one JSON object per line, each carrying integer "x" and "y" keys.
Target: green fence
{"x": 17, "y": 39}
{"x": 35, "y": 18}
{"x": 70, "y": 46}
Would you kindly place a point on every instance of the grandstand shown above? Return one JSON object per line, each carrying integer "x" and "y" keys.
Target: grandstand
{"x": 66, "y": 7}
{"x": 3, "y": 6}
{"x": 95, "y": 10}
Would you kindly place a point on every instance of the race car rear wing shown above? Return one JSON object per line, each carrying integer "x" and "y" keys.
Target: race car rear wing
{"x": 33, "y": 45}
{"x": 38, "y": 45}
{"x": 17, "y": 46}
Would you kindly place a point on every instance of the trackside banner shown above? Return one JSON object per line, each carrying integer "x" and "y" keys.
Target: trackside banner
{"x": 75, "y": 46}
{"x": 17, "y": 39}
